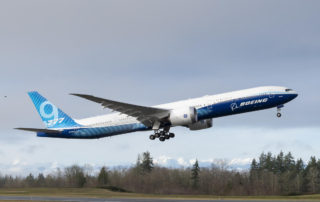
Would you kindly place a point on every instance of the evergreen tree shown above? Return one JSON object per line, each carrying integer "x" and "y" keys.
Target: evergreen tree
{"x": 311, "y": 182}
{"x": 254, "y": 165}
{"x": 279, "y": 163}
{"x": 145, "y": 163}
{"x": 103, "y": 176}
{"x": 195, "y": 175}
{"x": 138, "y": 163}
{"x": 289, "y": 163}
{"x": 41, "y": 181}
{"x": 299, "y": 166}
{"x": 30, "y": 180}
{"x": 269, "y": 162}
{"x": 254, "y": 171}
{"x": 262, "y": 161}
{"x": 299, "y": 171}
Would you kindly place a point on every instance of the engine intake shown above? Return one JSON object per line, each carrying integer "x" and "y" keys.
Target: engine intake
{"x": 183, "y": 116}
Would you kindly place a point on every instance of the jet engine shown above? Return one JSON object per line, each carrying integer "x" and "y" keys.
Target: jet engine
{"x": 203, "y": 124}
{"x": 183, "y": 116}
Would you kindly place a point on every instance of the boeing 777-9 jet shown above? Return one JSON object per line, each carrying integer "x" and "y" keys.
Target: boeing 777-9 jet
{"x": 195, "y": 114}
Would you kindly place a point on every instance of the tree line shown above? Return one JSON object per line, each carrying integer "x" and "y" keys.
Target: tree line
{"x": 270, "y": 174}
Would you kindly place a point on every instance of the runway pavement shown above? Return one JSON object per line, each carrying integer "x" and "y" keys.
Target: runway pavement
{"x": 44, "y": 198}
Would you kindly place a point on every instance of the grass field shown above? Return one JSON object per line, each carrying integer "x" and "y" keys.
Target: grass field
{"x": 103, "y": 193}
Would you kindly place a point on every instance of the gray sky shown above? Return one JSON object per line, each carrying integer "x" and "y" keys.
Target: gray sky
{"x": 153, "y": 52}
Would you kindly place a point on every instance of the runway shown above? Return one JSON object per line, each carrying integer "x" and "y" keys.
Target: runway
{"x": 45, "y": 198}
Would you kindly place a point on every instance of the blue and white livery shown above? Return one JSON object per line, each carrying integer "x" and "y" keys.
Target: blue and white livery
{"x": 195, "y": 114}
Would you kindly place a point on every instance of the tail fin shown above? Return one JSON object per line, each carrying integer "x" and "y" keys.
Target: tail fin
{"x": 51, "y": 116}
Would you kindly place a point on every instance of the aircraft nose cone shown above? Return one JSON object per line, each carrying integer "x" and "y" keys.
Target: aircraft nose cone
{"x": 294, "y": 95}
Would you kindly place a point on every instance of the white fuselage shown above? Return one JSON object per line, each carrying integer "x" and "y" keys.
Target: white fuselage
{"x": 117, "y": 119}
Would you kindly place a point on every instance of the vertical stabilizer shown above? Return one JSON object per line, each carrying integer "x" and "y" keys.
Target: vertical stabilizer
{"x": 51, "y": 116}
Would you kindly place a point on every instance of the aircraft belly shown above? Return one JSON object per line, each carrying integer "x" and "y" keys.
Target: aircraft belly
{"x": 109, "y": 130}
{"x": 96, "y": 132}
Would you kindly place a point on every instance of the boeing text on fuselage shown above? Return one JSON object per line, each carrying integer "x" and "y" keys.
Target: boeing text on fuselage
{"x": 253, "y": 102}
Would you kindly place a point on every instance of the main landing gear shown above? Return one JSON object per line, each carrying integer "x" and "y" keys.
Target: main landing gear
{"x": 162, "y": 135}
{"x": 279, "y": 111}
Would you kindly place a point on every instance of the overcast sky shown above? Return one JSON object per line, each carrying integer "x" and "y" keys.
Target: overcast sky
{"x": 153, "y": 52}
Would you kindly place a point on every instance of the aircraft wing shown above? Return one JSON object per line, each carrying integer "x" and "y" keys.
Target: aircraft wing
{"x": 146, "y": 115}
{"x": 39, "y": 130}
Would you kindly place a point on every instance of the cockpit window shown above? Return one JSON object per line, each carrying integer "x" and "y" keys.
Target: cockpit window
{"x": 288, "y": 90}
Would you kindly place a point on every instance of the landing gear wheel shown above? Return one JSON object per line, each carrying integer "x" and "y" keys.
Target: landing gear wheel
{"x": 279, "y": 110}
{"x": 152, "y": 137}
{"x": 162, "y": 139}
{"x": 157, "y": 135}
{"x": 167, "y": 137}
{"x": 171, "y": 135}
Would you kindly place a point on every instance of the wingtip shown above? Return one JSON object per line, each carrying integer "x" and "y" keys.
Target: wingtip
{"x": 19, "y": 128}
{"x": 79, "y": 95}
{"x": 75, "y": 94}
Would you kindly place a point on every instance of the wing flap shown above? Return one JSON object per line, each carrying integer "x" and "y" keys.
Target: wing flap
{"x": 146, "y": 115}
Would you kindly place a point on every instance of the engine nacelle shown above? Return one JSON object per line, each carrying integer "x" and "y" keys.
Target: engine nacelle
{"x": 183, "y": 116}
{"x": 203, "y": 124}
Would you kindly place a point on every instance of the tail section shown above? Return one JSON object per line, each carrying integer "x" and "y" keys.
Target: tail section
{"x": 51, "y": 116}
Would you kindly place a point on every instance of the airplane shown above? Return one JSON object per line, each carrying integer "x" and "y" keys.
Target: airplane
{"x": 195, "y": 114}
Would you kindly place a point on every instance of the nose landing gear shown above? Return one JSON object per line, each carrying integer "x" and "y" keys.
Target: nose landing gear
{"x": 279, "y": 110}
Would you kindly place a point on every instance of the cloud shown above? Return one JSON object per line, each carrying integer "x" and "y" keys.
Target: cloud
{"x": 16, "y": 162}
{"x": 182, "y": 162}
{"x": 162, "y": 160}
{"x": 237, "y": 163}
{"x": 240, "y": 161}
{"x": 30, "y": 149}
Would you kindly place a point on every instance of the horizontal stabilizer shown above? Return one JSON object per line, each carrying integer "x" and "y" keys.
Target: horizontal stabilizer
{"x": 39, "y": 130}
